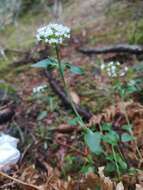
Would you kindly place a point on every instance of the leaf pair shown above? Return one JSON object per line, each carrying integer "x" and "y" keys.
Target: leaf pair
{"x": 52, "y": 63}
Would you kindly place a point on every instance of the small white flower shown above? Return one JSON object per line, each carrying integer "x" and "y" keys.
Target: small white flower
{"x": 111, "y": 63}
{"x": 118, "y": 63}
{"x": 39, "y": 89}
{"x": 111, "y": 69}
{"x": 53, "y": 33}
{"x": 126, "y": 69}
{"x": 102, "y": 66}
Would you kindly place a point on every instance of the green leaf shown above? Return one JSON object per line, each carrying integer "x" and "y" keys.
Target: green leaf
{"x": 106, "y": 126}
{"x": 93, "y": 141}
{"x": 110, "y": 167}
{"x": 110, "y": 157}
{"x": 111, "y": 138}
{"x": 45, "y": 63}
{"x": 87, "y": 169}
{"x": 119, "y": 159}
{"x": 127, "y": 137}
{"x": 74, "y": 121}
{"x": 133, "y": 171}
{"x": 42, "y": 115}
{"x": 121, "y": 162}
{"x": 127, "y": 128}
{"x": 132, "y": 89}
{"x": 74, "y": 69}
{"x": 97, "y": 187}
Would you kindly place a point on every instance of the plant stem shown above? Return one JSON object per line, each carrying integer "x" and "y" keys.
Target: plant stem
{"x": 131, "y": 132}
{"x": 66, "y": 87}
{"x": 115, "y": 159}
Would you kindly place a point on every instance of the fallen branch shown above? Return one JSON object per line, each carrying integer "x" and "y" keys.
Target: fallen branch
{"x": 60, "y": 91}
{"x": 24, "y": 184}
{"x": 119, "y": 48}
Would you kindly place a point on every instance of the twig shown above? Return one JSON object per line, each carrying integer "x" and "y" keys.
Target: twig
{"x": 19, "y": 181}
{"x": 25, "y": 151}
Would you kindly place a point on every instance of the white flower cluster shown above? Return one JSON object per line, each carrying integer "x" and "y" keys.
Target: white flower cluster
{"x": 53, "y": 33}
{"x": 114, "y": 69}
{"x": 124, "y": 71}
{"x": 39, "y": 89}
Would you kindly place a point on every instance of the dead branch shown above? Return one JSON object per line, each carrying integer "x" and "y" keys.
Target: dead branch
{"x": 119, "y": 48}
{"x": 61, "y": 93}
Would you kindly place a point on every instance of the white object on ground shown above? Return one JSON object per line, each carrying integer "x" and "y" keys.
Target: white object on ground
{"x": 120, "y": 186}
{"x": 9, "y": 154}
{"x": 39, "y": 89}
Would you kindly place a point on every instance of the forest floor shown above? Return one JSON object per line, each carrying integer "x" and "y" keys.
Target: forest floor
{"x": 53, "y": 159}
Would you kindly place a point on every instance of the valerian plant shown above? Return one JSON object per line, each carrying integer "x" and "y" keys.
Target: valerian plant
{"x": 124, "y": 88}
{"x": 55, "y": 34}
{"x": 124, "y": 83}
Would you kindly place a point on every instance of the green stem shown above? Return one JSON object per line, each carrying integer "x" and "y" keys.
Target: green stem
{"x": 131, "y": 132}
{"x": 115, "y": 159}
{"x": 66, "y": 87}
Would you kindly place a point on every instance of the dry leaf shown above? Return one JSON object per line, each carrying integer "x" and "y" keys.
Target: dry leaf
{"x": 105, "y": 182}
{"x": 101, "y": 171}
{"x": 75, "y": 97}
{"x": 139, "y": 187}
{"x": 120, "y": 186}
{"x": 109, "y": 113}
{"x": 140, "y": 179}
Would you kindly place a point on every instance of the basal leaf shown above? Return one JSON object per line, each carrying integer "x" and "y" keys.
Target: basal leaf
{"x": 93, "y": 141}
{"x": 74, "y": 121}
{"x": 74, "y": 69}
{"x": 110, "y": 167}
{"x": 121, "y": 162}
{"x": 111, "y": 138}
{"x": 127, "y": 137}
{"x": 106, "y": 126}
{"x": 45, "y": 63}
{"x": 127, "y": 128}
